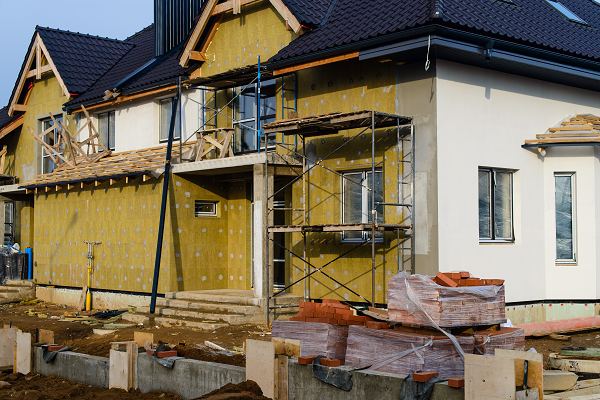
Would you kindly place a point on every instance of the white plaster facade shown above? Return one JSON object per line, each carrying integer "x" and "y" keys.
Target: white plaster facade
{"x": 483, "y": 118}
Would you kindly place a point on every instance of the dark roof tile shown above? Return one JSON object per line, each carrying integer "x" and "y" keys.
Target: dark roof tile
{"x": 5, "y": 119}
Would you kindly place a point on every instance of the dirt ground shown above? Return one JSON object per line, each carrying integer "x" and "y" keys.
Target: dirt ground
{"x": 189, "y": 342}
{"x": 39, "y": 387}
{"x": 546, "y": 345}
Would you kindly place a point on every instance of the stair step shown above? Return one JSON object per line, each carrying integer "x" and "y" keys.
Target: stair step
{"x": 215, "y": 308}
{"x": 231, "y": 319}
{"x": 21, "y": 283}
{"x": 214, "y": 298}
{"x": 165, "y": 321}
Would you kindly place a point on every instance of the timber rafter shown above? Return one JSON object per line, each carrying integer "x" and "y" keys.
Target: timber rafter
{"x": 581, "y": 130}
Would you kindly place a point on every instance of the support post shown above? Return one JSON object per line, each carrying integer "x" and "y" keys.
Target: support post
{"x": 163, "y": 206}
{"x": 374, "y": 210}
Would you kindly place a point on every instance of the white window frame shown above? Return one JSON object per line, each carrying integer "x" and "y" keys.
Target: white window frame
{"x": 365, "y": 236}
{"x": 57, "y": 117}
{"x": 493, "y": 238}
{"x": 176, "y": 134}
{"x": 573, "y": 259}
{"x": 110, "y": 114}
{"x": 203, "y": 213}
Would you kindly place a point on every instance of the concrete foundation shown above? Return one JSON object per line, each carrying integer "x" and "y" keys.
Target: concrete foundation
{"x": 100, "y": 300}
{"x": 188, "y": 379}
{"x": 82, "y": 368}
{"x": 302, "y": 385}
{"x": 540, "y": 312}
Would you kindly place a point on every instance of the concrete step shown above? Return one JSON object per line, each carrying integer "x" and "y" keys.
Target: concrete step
{"x": 239, "y": 297}
{"x": 21, "y": 283}
{"x": 231, "y": 319}
{"x": 16, "y": 296}
{"x": 166, "y": 321}
{"x": 215, "y": 308}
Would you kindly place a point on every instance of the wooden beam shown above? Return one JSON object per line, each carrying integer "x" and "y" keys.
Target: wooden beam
{"x": 197, "y": 32}
{"x": 70, "y": 186}
{"x": 12, "y": 126}
{"x": 146, "y": 178}
{"x": 112, "y": 181}
{"x": 23, "y": 77}
{"x": 56, "y": 74}
{"x": 38, "y": 62}
{"x": 197, "y": 56}
{"x": 121, "y": 99}
{"x": 211, "y": 35}
{"x": 317, "y": 63}
{"x": 288, "y": 16}
{"x": 43, "y": 69}
{"x": 228, "y": 6}
{"x": 20, "y": 107}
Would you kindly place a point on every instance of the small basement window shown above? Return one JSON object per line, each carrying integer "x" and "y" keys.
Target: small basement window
{"x": 566, "y": 12}
{"x": 205, "y": 208}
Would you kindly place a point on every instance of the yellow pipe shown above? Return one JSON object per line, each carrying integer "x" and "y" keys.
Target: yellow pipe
{"x": 88, "y": 296}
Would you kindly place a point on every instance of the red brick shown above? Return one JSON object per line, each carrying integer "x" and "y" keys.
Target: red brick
{"x": 331, "y": 301}
{"x": 313, "y": 319}
{"x": 443, "y": 280}
{"x": 324, "y": 315}
{"x": 55, "y": 347}
{"x": 338, "y": 305}
{"x": 462, "y": 282}
{"x": 464, "y": 274}
{"x": 358, "y": 318}
{"x": 343, "y": 312}
{"x": 331, "y": 321}
{"x": 498, "y": 282}
{"x": 150, "y": 352}
{"x": 453, "y": 275}
{"x": 330, "y": 362}
{"x": 342, "y": 322}
{"x": 456, "y": 382}
{"x": 474, "y": 282}
{"x": 325, "y": 309}
{"x": 299, "y": 319}
{"x": 306, "y": 360}
{"x": 355, "y": 323}
{"x": 306, "y": 314}
{"x": 308, "y": 305}
{"x": 376, "y": 325}
{"x": 424, "y": 376}
{"x": 169, "y": 353}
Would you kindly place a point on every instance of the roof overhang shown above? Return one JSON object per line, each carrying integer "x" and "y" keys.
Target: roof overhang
{"x": 211, "y": 9}
{"x": 11, "y": 126}
{"x": 29, "y": 70}
{"x": 502, "y": 60}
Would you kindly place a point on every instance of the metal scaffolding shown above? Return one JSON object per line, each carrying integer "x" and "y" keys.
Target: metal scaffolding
{"x": 331, "y": 124}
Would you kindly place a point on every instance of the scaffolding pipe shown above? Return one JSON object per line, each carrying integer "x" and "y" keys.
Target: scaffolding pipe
{"x": 163, "y": 207}
{"x": 374, "y": 210}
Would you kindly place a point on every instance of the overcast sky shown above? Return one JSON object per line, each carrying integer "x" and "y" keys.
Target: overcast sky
{"x": 18, "y": 18}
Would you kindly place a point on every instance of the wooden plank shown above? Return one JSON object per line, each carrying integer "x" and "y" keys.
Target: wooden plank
{"x": 46, "y": 336}
{"x": 317, "y": 63}
{"x": 574, "y": 365}
{"x": 12, "y": 126}
{"x": 84, "y": 289}
{"x": 287, "y": 16}
{"x": 488, "y": 378}
{"x": 260, "y": 365}
{"x": 292, "y": 348}
{"x": 23, "y": 353}
{"x": 142, "y": 337}
{"x": 56, "y": 74}
{"x": 23, "y": 77}
{"x": 519, "y": 355}
{"x": 20, "y": 107}
{"x": 8, "y": 341}
{"x": 282, "y": 378}
{"x": 118, "y": 371}
{"x": 566, "y": 135}
{"x": 541, "y": 141}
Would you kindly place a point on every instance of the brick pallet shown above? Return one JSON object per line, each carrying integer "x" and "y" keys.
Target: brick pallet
{"x": 367, "y": 346}
{"x": 486, "y": 342}
{"x": 447, "y": 306}
{"x": 316, "y": 338}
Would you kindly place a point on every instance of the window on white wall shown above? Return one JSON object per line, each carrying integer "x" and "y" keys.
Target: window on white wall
{"x": 357, "y": 202}
{"x": 495, "y": 205}
{"x": 245, "y": 123}
{"x": 564, "y": 188}
{"x": 166, "y": 109}
{"x": 106, "y": 129}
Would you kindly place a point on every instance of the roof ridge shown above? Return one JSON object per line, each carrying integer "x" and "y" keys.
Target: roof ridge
{"x": 140, "y": 31}
{"x": 437, "y": 9}
{"x": 45, "y": 28}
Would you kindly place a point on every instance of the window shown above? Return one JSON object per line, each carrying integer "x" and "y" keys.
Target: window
{"x": 166, "y": 109}
{"x": 495, "y": 205}
{"x": 357, "y": 202}
{"x": 564, "y": 185}
{"x": 566, "y": 12}
{"x": 9, "y": 228}
{"x": 106, "y": 129}
{"x": 51, "y": 138}
{"x": 205, "y": 208}
{"x": 244, "y": 107}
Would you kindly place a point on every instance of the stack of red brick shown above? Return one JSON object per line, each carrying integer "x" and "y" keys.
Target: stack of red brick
{"x": 334, "y": 312}
{"x": 464, "y": 278}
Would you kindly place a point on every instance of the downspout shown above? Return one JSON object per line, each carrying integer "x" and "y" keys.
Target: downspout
{"x": 163, "y": 207}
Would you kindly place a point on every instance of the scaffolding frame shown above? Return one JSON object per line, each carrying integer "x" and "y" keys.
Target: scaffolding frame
{"x": 332, "y": 124}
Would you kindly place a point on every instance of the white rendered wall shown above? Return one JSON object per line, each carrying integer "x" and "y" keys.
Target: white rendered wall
{"x": 137, "y": 121}
{"x": 483, "y": 119}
